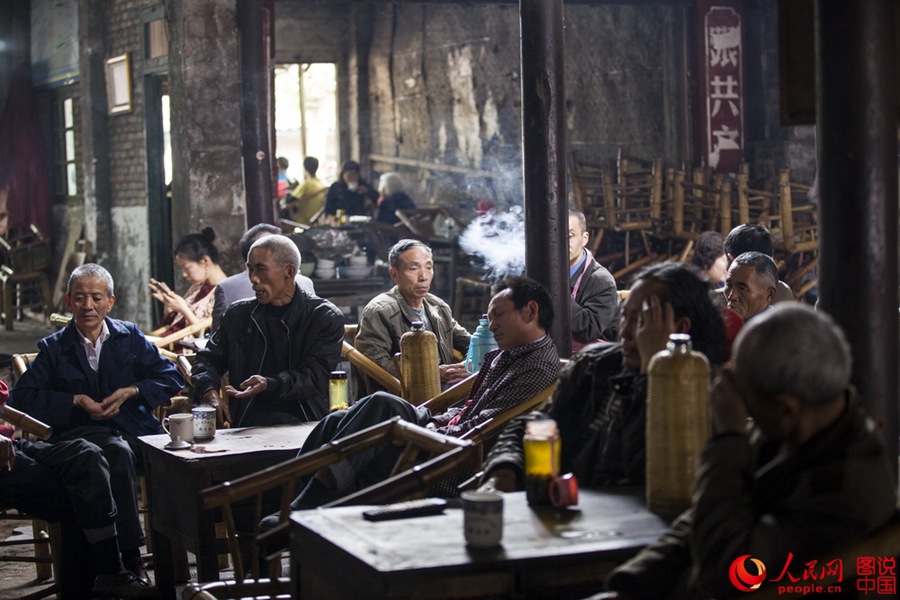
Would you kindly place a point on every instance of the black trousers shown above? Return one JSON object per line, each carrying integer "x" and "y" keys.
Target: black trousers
{"x": 69, "y": 483}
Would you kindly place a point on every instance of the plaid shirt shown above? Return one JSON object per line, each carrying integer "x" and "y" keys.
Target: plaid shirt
{"x": 506, "y": 378}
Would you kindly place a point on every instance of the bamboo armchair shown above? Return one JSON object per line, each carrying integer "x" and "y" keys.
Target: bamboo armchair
{"x": 795, "y": 226}
{"x": 701, "y": 202}
{"x": 368, "y": 369}
{"x": 753, "y": 205}
{"x": 45, "y": 536}
{"x": 587, "y": 192}
{"x": 446, "y": 454}
{"x": 169, "y": 341}
{"x": 26, "y": 257}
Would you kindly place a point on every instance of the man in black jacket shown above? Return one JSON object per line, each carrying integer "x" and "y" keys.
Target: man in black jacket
{"x": 595, "y": 300}
{"x": 278, "y": 349}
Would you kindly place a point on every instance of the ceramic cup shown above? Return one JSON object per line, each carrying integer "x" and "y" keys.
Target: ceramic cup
{"x": 564, "y": 491}
{"x": 482, "y": 518}
{"x": 180, "y": 427}
{"x": 204, "y": 422}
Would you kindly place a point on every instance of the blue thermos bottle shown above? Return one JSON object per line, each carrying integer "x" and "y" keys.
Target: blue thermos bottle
{"x": 481, "y": 343}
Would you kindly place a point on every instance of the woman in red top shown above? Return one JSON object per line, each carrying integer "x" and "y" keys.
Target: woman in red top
{"x": 198, "y": 259}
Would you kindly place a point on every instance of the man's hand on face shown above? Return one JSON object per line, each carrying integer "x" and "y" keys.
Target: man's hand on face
{"x": 7, "y": 454}
{"x": 223, "y": 412}
{"x": 656, "y": 323}
{"x": 729, "y": 411}
{"x": 453, "y": 373}
{"x": 250, "y": 387}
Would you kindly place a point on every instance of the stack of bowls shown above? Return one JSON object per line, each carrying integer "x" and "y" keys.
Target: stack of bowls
{"x": 324, "y": 269}
{"x": 358, "y": 268}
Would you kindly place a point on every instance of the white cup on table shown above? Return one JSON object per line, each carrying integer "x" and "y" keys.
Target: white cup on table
{"x": 204, "y": 422}
{"x": 180, "y": 427}
{"x": 482, "y": 518}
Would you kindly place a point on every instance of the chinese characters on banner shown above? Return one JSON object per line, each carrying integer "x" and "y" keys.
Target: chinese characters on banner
{"x": 723, "y": 84}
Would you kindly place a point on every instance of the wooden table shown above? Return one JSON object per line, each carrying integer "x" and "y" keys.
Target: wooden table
{"x": 175, "y": 479}
{"x": 335, "y": 553}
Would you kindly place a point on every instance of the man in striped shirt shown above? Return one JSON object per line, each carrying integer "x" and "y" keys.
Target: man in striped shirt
{"x": 520, "y": 313}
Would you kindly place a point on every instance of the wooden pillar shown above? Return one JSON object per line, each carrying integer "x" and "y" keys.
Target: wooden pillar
{"x": 544, "y": 158}
{"x": 254, "y": 108}
{"x": 94, "y": 166}
{"x": 857, "y": 160}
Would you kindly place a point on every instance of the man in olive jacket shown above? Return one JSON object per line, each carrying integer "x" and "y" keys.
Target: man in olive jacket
{"x": 278, "y": 349}
{"x": 389, "y": 315}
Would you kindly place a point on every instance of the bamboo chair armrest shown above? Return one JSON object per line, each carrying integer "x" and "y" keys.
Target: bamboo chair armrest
{"x": 25, "y": 422}
{"x": 173, "y": 356}
{"x": 20, "y": 362}
{"x": 192, "y": 329}
{"x": 492, "y": 427}
{"x": 59, "y": 320}
{"x": 371, "y": 368}
{"x": 450, "y": 396}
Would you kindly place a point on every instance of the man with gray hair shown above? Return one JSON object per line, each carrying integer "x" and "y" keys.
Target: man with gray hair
{"x": 278, "y": 348}
{"x": 750, "y": 284}
{"x": 755, "y": 238}
{"x": 99, "y": 380}
{"x": 807, "y": 480}
{"x": 389, "y": 315}
{"x": 238, "y": 286}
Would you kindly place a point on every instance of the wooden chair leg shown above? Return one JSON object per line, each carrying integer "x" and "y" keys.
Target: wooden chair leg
{"x": 46, "y": 298}
{"x": 8, "y": 316}
{"x": 42, "y": 549}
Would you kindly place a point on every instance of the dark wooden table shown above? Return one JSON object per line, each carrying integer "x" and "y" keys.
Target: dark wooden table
{"x": 335, "y": 553}
{"x": 175, "y": 479}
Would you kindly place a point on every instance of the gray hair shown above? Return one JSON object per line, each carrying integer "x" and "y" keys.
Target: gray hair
{"x": 284, "y": 251}
{"x": 795, "y": 350}
{"x": 253, "y": 234}
{"x": 764, "y": 265}
{"x": 402, "y": 246}
{"x": 91, "y": 270}
{"x": 390, "y": 183}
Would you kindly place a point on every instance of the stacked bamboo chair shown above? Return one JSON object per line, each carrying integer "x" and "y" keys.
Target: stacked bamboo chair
{"x": 667, "y": 208}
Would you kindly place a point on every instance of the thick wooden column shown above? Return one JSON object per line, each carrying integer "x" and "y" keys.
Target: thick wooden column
{"x": 543, "y": 153}
{"x": 255, "y": 110}
{"x": 857, "y": 158}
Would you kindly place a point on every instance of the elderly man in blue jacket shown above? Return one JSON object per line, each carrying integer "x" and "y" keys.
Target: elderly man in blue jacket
{"x": 99, "y": 380}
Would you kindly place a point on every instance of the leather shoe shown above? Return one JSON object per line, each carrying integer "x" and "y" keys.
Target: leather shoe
{"x": 270, "y": 522}
{"x": 135, "y": 565}
{"x": 123, "y": 585}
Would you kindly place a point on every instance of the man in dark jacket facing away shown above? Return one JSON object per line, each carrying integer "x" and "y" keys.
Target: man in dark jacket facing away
{"x": 809, "y": 478}
{"x": 595, "y": 300}
{"x": 278, "y": 349}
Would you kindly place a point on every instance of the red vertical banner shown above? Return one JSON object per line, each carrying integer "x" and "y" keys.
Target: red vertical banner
{"x": 721, "y": 28}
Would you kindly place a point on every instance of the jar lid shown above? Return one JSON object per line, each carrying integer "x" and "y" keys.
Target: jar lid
{"x": 339, "y": 374}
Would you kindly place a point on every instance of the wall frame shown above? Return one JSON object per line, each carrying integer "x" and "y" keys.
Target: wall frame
{"x": 118, "y": 84}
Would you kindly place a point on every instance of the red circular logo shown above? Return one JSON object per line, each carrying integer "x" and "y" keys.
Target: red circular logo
{"x": 742, "y": 579}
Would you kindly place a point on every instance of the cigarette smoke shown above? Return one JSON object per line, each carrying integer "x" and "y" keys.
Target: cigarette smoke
{"x": 496, "y": 242}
